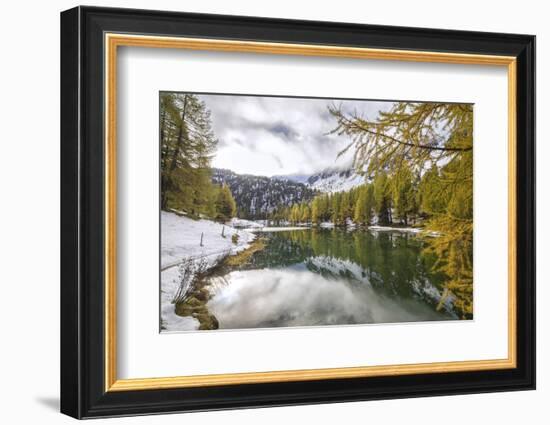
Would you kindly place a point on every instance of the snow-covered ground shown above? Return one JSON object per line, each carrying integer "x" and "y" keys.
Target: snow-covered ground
{"x": 180, "y": 240}
{"x": 405, "y": 230}
{"x": 170, "y": 321}
{"x": 241, "y": 223}
{"x": 279, "y": 229}
{"x": 395, "y": 229}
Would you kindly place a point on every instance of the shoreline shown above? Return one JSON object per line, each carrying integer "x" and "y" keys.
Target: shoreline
{"x": 219, "y": 253}
{"x": 184, "y": 239}
{"x": 196, "y": 300}
{"x": 328, "y": 225}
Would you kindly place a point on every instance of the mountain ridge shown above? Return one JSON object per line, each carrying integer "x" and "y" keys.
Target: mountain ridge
{"x": 329, "y": 180}
{"x": 256, "y": 196}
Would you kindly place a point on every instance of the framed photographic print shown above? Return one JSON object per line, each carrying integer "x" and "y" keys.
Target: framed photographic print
{"x": 261, "y": 212}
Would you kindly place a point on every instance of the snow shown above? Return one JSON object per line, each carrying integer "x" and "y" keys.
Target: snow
{"x": 336, "y": 183}
{"x": 431, "y": 233}
{"x": 170, "y": 321}
{"x": 241, "y": 223}
{"x": 395, "y": 229}
{"x": 279, "y": 229}
{"x": 350, "y": 225}
{"x": 329, "y": 180}
{"x": 297, "y": 178}
{"x": 180, "y": 240}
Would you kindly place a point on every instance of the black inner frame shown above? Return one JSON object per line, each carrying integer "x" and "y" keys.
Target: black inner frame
{"x": 82, "y": 212}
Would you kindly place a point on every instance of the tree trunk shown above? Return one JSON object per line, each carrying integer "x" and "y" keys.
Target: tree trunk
{"x": 179, "y": 141}
{"x": 163, "y": 127}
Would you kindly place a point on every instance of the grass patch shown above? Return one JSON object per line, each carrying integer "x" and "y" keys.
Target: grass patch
{"x": 242, "y": 257}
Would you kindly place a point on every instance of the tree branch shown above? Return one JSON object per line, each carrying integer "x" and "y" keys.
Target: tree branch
{"x": 401, "y": 142}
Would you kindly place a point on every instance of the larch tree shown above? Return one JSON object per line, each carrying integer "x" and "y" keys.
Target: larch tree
{"x": 226, "y": 207}
{"x": 315, "y": 210}
{"x": 364, "y": 205}
{"x": 187, "y": 146}
{"x": 403, "y": 194}
{"x": 382, "y": 198}
{"x": 422, "y": 136}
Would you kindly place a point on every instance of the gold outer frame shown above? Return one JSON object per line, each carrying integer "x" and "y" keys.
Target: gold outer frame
{"x": 113, "y": 41}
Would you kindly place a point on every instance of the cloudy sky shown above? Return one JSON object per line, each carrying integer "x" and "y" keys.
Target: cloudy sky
{"x": 278, "y": 136}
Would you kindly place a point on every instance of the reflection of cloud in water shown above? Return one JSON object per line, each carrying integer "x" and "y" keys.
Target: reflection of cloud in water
{"x": 299, "y": 297}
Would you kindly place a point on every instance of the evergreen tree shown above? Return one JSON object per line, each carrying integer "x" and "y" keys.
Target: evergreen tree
{"x": 324, "y": 206}
{"x": 413, "y": 135}
{"x": 306, "y": 214}
{"x": 364, "y": 205}
{"x": 403, "y": 194}
{"x": 316, "y": 210}
{"x": 335, "y": 208}
{"x": 295, "y": 214}
{"x": 346, "y": 210}
{"x": 382, "y": 200}
{"x": 431, "y": 197}
{"x": 187, "y": 144}
{"x": 225, "y": 204}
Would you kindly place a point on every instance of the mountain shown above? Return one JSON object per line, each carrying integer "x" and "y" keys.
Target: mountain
{"x": 298, "y": 178}
{"x": 335, "y": 180}
{"x": 257, "y": 196}
{"x": 330, "y": 180}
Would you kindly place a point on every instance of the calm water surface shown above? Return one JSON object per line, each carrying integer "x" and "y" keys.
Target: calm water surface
{"x": 318, "y": 277}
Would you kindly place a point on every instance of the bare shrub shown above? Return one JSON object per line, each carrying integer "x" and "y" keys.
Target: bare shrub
{"x": 190, "y": 270}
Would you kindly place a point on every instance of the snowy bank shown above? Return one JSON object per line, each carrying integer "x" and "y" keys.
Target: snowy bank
{"x": 413, "y": 230}
{"x": 395, "y": 229}
{"x": 241, "y": 223}
{"x": 181, "y": 240}
{"x": 279, "y": 229}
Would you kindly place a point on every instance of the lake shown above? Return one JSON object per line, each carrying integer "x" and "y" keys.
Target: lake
{"x": 315, "y": 277}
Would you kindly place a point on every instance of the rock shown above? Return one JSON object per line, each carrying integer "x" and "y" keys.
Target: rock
{"x": 207, "y": 321}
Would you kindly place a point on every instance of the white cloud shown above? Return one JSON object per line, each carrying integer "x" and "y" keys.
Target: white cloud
{"x": 268, "y": 136}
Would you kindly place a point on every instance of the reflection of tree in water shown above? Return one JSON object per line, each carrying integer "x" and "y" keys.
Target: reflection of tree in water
{"x": 281, "y": 250}
{"x": 395, "y": 264}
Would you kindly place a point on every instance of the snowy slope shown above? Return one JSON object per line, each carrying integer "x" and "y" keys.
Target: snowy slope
{"x": 331, "y": 181}
{"x": 241, "y": 223}
{"x": 181, "y": 239}
{"x": 298, "y": 178}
